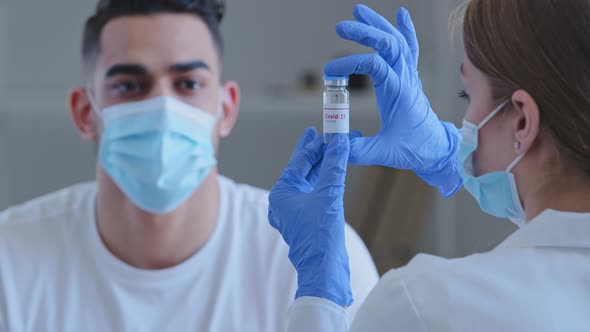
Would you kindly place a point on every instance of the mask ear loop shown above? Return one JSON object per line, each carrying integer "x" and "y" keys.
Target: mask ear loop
{"x": 220, "y": 105}
{"x": 487, "y": 119}
{"x": 514, "y": 163}
{"x": 92, "y": 101}
{"x": 491, "y": 115}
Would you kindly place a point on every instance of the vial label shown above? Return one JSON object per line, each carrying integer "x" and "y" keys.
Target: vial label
{"x": 336, "y": 119}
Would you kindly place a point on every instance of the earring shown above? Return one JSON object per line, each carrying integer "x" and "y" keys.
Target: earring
{"x": 517, "y": 146}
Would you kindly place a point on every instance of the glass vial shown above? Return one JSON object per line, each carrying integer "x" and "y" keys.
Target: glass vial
{"x": 336, "y": 107}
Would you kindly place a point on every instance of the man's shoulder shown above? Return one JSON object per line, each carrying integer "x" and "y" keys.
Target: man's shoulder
{"x": 36, "y": 235}
{"x": 54, "y": 207}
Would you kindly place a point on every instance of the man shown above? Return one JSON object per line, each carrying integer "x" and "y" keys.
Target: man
{"x": 160, "y": 242}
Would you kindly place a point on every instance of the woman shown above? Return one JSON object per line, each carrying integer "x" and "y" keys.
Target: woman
{"x": 523, "y": 153}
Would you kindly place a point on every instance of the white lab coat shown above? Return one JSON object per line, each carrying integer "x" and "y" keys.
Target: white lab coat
{"x": 537, "y": 280}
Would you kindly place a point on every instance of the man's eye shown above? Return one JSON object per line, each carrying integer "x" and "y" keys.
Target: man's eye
{"x": 127, "y": 87}
{"x": 189, "y": 85}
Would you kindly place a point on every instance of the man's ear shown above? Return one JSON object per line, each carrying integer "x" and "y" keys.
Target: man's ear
{"x": 231, "y": 108}
{"x": 528, "y": 121}
{"x": 82, "y": 114}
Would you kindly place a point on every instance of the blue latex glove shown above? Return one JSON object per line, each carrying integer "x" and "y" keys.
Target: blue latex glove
{"x": 307, "y": 208}
{"x": 411, "y": 137}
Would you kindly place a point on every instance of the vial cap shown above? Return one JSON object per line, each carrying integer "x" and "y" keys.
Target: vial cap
{"x": 336, "y": 80}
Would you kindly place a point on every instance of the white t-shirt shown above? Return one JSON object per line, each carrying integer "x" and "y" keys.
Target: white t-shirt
{"x": 57, "y": 275}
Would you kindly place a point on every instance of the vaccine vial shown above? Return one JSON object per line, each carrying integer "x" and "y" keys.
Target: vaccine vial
{"x": 336, "y": 107}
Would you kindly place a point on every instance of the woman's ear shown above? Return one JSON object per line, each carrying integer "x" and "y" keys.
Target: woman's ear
{"x": 82, "y": 114}
{"x": 230, "y": 107}
{"x": 527, "y": 123}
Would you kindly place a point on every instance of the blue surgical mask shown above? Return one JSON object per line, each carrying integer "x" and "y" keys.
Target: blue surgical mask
{"x": 496, "y": 192}
{"x": 157, "y": 151}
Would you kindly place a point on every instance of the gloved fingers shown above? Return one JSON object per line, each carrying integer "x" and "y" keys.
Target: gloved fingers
{"x": 406, "y": 28}
{"x": 308, "y": 135}
{"x": 364, "y": 151}
{"x": 333, "y": 171}
{"x": 274, "y": 222}
{"x": 354, "y": 134}
{"x": 303, "y": 160}
{"x": 392, "y": 47}
{"x": 368, "y": 16}
{"x": 274, "y": 218}
{"x": 315, "y": 172}
{"x": 312, "y": 177}
{"x": 363, "y": 64}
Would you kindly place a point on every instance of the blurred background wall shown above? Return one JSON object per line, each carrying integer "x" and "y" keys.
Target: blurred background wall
{"x": 271, "y": 45}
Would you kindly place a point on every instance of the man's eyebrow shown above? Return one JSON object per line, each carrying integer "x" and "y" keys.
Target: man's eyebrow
{"x": 189, "y": 66}
{"x": 127, "y": 69}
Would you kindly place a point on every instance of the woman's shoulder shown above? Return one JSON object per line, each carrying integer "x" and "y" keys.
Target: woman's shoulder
{"x": 491, "y": 291}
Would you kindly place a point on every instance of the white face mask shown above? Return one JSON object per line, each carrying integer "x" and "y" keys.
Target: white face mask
{"x": 496, "y": 192}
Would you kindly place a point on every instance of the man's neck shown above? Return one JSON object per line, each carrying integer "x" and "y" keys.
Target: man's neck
{"x": 153, "y": 242}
